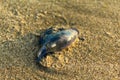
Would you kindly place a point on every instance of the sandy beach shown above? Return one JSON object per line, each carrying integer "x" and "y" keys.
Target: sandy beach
{"x": 95, "y": 55}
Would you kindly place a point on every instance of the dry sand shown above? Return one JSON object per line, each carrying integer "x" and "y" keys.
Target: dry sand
{"x": 95, "y": 58}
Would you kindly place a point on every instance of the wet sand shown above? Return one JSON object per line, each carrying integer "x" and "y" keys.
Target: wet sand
{"x": 97, "y": 57}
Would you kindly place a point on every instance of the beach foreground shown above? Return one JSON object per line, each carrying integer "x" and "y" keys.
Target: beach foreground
{"x": 95, "y": 56}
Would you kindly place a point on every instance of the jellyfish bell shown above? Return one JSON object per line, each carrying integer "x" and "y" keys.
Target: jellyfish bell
{"x": 57, "y": 41}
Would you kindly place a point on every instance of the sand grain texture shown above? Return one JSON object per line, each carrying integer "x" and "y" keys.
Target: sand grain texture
{"x": 97, "y": 57}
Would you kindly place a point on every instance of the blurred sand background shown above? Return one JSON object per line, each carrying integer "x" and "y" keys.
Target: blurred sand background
{"x": 95, "y": 58}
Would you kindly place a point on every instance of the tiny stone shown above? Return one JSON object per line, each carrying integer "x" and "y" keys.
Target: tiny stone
{"x": 81, "y": 38}
{"x": 109, "y": 34}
